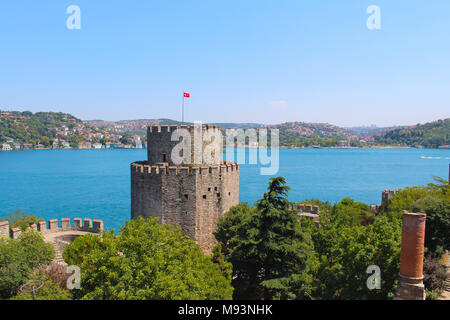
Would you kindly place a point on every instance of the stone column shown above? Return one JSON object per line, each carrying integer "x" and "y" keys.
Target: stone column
{"x": 410, "y": 283}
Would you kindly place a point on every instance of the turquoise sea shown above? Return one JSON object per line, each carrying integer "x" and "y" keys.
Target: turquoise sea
{"x": 96, "y": 183}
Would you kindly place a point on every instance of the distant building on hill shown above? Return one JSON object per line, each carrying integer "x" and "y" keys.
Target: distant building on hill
{"x": 65, "y": 144}
{"x": 84, "y": 145}
{"x": 97, "y": 146}
{"x": 343, "y": 143}
{"x": 6, "y": 147}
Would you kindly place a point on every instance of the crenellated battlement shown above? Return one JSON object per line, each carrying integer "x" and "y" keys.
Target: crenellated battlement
{"x": 144, "y": 168}
{"x": 304, "y": 208}
{"x": 54, "y": 226}
{"x": 386, "y": 195}
{"x": 195, "y": 140}
{"x": 171, "y": 128}
{"x": 308, "y": 211}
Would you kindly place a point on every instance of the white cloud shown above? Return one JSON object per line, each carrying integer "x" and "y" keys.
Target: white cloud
{"x": 278, "y": 103}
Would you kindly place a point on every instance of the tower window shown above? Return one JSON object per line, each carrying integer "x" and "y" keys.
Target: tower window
{"x": 209, "y": 189}
{"x": 164, "y": 157}
{"x": 229, "y": 193}
{"x": 186, "y": 197}
{"x": 204, "y": 196}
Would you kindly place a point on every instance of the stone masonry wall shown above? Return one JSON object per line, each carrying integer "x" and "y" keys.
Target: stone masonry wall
{"x": 53, "y": 226}
{"x": 190, "y": 197}
{"x": 160, "y": 144}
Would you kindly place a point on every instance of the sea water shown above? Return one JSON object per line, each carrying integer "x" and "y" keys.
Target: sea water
{"x": 55, "y": 184}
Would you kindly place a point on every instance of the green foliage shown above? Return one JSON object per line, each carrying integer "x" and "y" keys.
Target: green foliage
{"x": 352, "y": 213}
{"x": 49, "y": 290}
{"x": 272, "y": 257}
{"x": 430, "y": 295}
{"x": 403, "y": 199}
{"x": 441, "y": 189}
{"x": 429, "y": 135}
{"x": 21, "y": 220}
{"x": 434, "y": 200}
{"x": 218, "y": 258}
{"x": 300, "y": 134}
{"x": 146, "y": 261}
{"x": 437, "y": 232}
{"x": 81, "y": 248}
{"x": 36, "y": 128}
{"x": 346, "y": 250}
{"x": 19, "y": 257}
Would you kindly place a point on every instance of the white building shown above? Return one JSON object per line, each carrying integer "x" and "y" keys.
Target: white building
{"x": 97, "y": 146}
{"x": 137, "y": 141}
{"x": 66, "y": 144}
{"x": 6, "y": 147}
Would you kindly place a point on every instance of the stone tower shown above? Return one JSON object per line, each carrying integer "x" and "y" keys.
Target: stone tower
{"x": 386, "y": 195}
{"x": 192, "y": 193}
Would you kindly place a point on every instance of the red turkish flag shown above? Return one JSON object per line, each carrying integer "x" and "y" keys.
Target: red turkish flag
{"x": 187, "y": 95}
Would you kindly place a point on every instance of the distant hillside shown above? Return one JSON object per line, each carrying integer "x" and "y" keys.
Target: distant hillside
{"x": 428, "y": 135}
{"x": 373, "y": 131}
{"x": 238, "y": 125}
{"x": 292, "y": 134}
{"x": 34, "y": 128}
{"x": 44, "y": 127}
{"x": 303, "y": 134}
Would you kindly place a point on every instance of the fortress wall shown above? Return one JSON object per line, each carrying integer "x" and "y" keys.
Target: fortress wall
{"x": 192, "y": 197}
{"x": 386, "y": 195}
{"x": 217, "y": 192}
{"x": 160, "y": 144}
{"x": 52, "y": 226}
{"x": 146, "y": 185}
{"x": 305, "y": 208}
{"x": 179, "y": 198}
{"x": 4, "y": 229}
{"x": 209, "y": 194}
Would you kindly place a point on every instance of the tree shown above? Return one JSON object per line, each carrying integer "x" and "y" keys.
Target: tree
{"x": 437, "y": 231}
{"x": 434, "y": 200}
{"x": 18, "y": 258}
{"x": 347, "y": 250}
{"x": 272, "y": 257}
{"x": 145, "y": 261}
{"x": 50, "y": 290}
{"x": 218, "y": 258}
{"x": 81, "y": 247}
{"x": 355, "y": 213}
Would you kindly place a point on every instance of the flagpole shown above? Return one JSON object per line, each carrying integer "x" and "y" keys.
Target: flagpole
{"x": 182, "y": 111}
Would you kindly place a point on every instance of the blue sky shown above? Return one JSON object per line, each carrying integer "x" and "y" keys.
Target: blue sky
{"x": 242, "y": 61}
